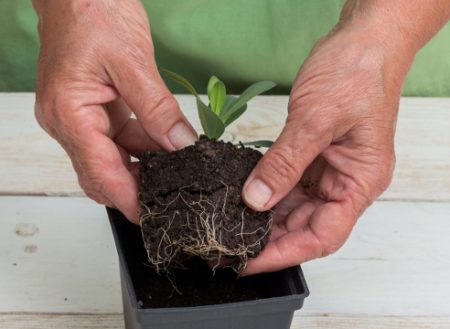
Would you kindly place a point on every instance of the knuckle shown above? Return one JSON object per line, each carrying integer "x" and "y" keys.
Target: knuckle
{"x": 96, "y": 197}
{"x": 138, "y": 56}
{"x": 43, "y": 113}
{"x": 54, "y": 103}
{"x": 387, "y": 172}
{"x": 101, "y": 181}
{"x": 161, "y": 111}
{"x": 89, "y": 189}
{"x": 329, "y": 248}
{"x": 40, "y": 115}
{"x": 311, "y": 124}
{"x": 281, "y": 163}
{"x": 63, "y": 103}
{"x": 98, "y": 184}
{"x": 315, "y": 127}
{"x": 89, "y": 193}
{"x": 53, "y": 108}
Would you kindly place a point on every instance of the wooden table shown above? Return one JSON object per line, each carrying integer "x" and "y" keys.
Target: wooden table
{"x": 58, "y": 264}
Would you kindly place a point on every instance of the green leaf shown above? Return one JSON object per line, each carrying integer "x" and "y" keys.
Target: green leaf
{"x": 236, "y": 106}
{"x": 216, "y": 94}
{"x": 229, "y": 100}
{"x": 182, "y": 81}
{"x": 260, "y": 143}
{"x": 211, "y": 123}
{"x": 234, "y": 115}
{"x": 223, "y": 109}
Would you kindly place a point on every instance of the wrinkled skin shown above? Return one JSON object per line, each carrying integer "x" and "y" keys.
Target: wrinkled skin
{"x": 344, "y": 137}
{"x": 96, "y": 67}
{"x": 334, "y": 156}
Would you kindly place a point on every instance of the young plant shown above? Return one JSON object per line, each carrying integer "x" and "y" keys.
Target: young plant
{"x": 222, "y": 109}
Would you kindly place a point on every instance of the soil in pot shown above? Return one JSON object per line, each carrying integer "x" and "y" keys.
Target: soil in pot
{"x": 192, "y": 206}
{"x": 195, "y": 285}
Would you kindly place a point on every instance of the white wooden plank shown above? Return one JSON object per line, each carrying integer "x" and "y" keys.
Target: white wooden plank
{"x": 326, "y": 321}
{"x": 423, "y": 150}
{"x": 332, "y": 321}
{"x": 72, "y": 265}
{"x": 61, "y": 321}
{"x": 395, "y": 264}
{"x": 32, "y": 163}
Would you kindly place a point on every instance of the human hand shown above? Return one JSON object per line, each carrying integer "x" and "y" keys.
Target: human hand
{"x": 335, "y": 154}
{"x": 96, "y": 67}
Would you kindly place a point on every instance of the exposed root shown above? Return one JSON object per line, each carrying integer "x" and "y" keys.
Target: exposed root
{"x": 199, "y": 231}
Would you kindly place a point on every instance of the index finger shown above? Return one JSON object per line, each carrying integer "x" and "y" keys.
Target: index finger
{"x": 100, "y": 160}
{"x": 327, "y": 229}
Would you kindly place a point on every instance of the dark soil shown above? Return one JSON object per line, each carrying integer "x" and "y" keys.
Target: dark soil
{"x": 195, "y": 285}
{"x": 191, "y": 206}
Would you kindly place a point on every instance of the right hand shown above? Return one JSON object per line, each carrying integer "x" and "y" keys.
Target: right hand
{"x": 335, "y": 155}
{"x": 96, "y": 67}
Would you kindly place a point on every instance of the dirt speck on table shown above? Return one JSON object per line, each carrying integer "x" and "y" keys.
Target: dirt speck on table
{"x": 30, "y": 248}
{"x": 26, "y": 229}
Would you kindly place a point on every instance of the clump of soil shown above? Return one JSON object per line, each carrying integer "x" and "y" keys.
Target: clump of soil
{"x": 191, "y": 206}
{"x": 197, "y": 285}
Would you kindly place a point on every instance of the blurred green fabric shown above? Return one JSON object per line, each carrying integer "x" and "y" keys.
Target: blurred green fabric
{"x": 240, "y": 41}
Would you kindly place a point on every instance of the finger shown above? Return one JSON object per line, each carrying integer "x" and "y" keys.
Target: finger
{"x": 280, "y": 254}
{"x": 328, "y": 228}
{"x": 84, "y": 183}
{"x": 277, "y": 231}
{"x": 126, "y": 131}
{"x": 93, "y": 195}
{"x": 303, "y": 248}
{"x": 312, "y": 177}
{"x": 156, "y": 109}
{"x": 134, "y": 170}
{"x": 291, "y": 201}
{"x": 125, "y": 156}
{"x": 284, "y": 163}
{"x": 294, "y": 211}
{"x": 103, "y": 164}
{"x": 134, "y": 139}
{"x": 119, "y": 113}
{"x": 300, "y": 216}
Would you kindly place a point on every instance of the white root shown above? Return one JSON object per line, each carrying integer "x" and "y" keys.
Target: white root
{"x": 205, "y": 238}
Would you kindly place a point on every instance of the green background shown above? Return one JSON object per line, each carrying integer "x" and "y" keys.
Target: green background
{"x": 240, "y": 41}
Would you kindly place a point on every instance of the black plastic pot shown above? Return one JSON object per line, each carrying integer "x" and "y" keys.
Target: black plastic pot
{"x": 285, "y": 292}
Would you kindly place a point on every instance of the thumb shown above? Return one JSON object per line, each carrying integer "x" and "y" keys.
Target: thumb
{"x": 283, "y": 165}
{"x": 155, "y": 107}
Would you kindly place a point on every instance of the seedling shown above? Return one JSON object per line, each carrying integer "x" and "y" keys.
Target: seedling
{"x": 222, "y": 109}
{"x": 191, "y": 203}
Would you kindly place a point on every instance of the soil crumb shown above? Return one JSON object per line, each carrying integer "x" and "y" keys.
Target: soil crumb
{"x": 192, "y": 206}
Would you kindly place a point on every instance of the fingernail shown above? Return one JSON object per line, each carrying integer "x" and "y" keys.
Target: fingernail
{"x": 180, "y": 135}
{"x": 257, "y": 194}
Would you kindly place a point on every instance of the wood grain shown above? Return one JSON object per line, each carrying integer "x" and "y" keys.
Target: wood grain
{"x": 74, "y": 266}
{"x": 60, "y": 321}
{"x": 58, "y": 264}
{"x": 395, "y": 263}
{"x": 33, "y": 164}
{"x": 301, "y": 321}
